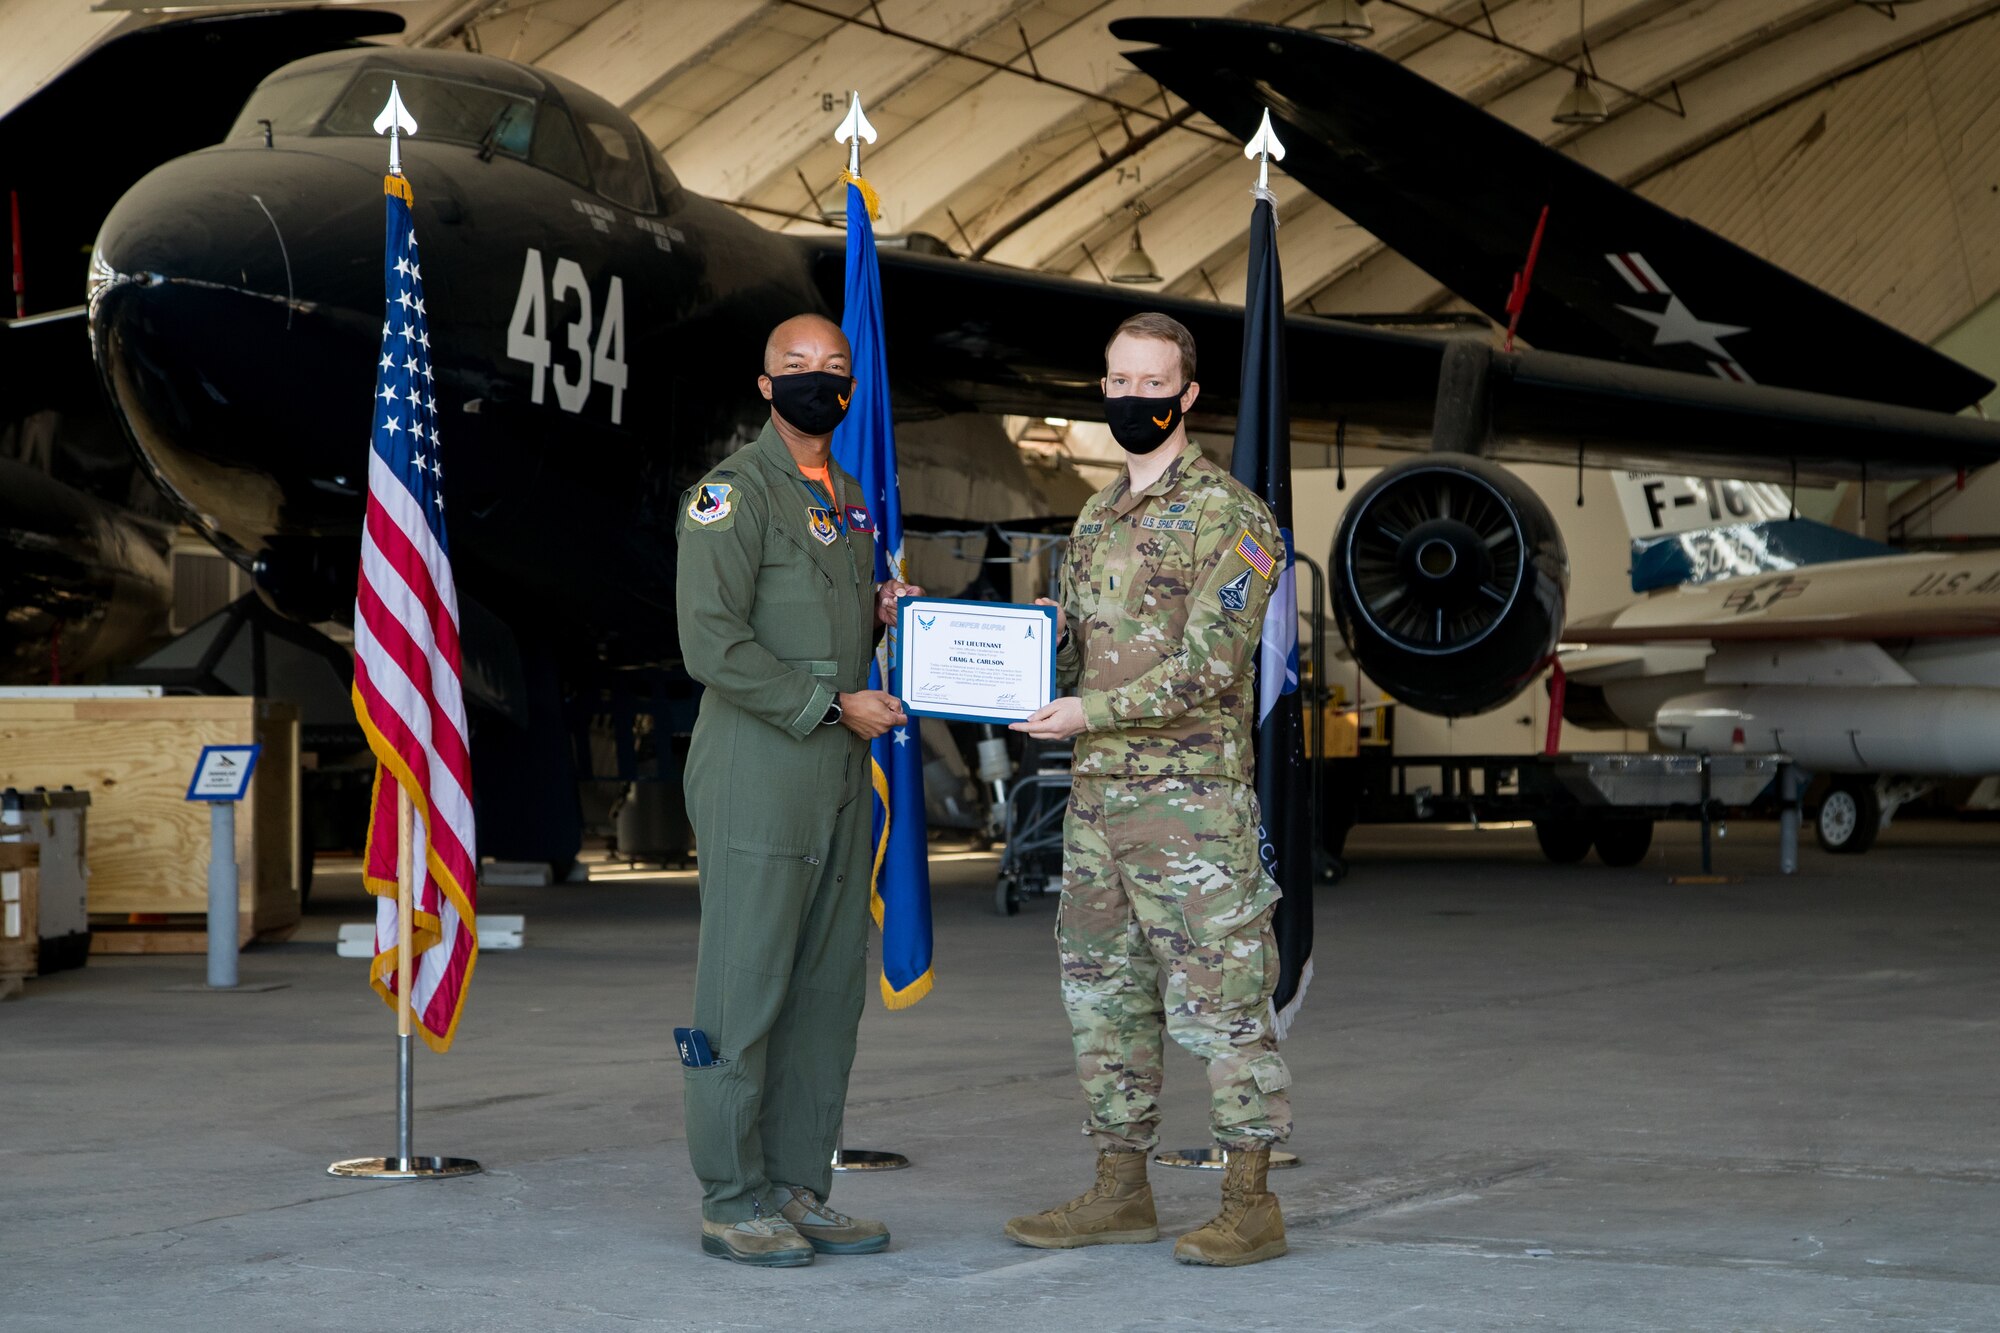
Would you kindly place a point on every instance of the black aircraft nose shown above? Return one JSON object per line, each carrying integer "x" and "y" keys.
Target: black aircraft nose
{"x": 234, "y": 303}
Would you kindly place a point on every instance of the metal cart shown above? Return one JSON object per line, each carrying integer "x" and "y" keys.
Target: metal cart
{"x": 1031, "y": 861}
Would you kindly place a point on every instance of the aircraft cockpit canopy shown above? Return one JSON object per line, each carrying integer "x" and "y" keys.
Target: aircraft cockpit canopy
{"x": 501, "y": 110}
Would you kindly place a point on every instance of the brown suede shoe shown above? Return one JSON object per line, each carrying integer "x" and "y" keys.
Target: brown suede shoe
{"x": 762, "y": 1242}
{"x": 1117, "y": 1210}
{"x": 831, "y": 1232}
{"x": 1249, "y": 1229}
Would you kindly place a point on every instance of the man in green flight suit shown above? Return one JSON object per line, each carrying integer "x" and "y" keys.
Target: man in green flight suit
{"x": 779, "y": 613}
{"x": 1165, "y": 922}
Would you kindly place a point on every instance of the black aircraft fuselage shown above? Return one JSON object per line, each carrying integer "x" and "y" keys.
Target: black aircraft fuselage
{"x": 595, "y": 332}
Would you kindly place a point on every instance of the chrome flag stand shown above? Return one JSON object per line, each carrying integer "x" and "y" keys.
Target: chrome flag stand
{"x": 405, "y": 1165}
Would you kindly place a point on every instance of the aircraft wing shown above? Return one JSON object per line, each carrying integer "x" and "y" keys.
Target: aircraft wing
{"x": 1923, "y": 595}
{"x": 76, "y": 145}
{"x": 1458, "y": 192}
{"x": 976, "y": 337}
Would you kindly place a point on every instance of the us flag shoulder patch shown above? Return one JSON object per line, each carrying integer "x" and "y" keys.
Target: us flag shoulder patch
{"x": 1255, "y": 555}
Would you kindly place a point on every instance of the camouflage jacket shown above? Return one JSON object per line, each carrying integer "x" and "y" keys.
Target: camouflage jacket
{"x": 1164, "y": 594}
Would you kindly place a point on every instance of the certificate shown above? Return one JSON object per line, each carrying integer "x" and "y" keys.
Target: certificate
{"x": 974, "y": 661}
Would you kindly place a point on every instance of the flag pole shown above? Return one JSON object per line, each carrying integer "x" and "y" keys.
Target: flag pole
{"x": 1264, "y": 148}
{"x": 406, "y": 1078}
{"x": 854, "y": 129}
{"x": 396, "y": 121}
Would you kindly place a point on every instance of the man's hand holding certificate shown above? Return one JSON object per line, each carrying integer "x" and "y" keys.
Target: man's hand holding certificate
{"x": 975, "y": 661}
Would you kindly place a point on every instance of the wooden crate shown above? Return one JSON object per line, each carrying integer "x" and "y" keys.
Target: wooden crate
{"x": 20, "y": 896}
{"x": 148, "y": 848}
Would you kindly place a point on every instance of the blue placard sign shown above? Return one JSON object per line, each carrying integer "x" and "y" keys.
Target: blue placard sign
{"x": 223, "y": 772}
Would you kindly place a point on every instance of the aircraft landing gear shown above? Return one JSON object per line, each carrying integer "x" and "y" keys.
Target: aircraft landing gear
{"x": 1850, "y": 816}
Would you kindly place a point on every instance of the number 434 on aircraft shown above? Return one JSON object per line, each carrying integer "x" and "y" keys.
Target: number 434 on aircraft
{"x": 599, "y": 362}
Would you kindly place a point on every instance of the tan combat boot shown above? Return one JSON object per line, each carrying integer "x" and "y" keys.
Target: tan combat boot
{"x": 1249, "y": 1229}
{"x": 1117, "y": 1210}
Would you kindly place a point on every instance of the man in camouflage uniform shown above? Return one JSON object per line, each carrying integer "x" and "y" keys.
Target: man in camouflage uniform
{"x": 1165, "y": 923}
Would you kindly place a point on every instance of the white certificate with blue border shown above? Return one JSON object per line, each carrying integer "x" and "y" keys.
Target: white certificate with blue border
{"x": 974, "y": 661}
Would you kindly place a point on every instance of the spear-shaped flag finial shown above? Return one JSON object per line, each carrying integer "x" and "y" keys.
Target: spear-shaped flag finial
{"x": 853, "y": 129}
{"x": 1266, "y": 149}
{"x": 395, "y": 120}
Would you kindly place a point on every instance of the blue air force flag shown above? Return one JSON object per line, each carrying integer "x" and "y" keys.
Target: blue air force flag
{"x": 865, "y": 445}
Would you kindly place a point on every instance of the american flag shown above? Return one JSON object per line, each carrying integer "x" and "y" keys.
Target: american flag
{"x": 407, "y": 691}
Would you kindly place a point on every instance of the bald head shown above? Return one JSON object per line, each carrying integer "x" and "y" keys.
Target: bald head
{"x": 806, "y": 342}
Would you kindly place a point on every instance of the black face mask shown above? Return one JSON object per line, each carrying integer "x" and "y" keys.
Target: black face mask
{"x": 1141, "y": 425}
{"x": 813, "y": 401}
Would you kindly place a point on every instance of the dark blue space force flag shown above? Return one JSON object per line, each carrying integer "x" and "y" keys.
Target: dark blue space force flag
{"x": 1262, "y": 460}
{"x": 865, "y": 445}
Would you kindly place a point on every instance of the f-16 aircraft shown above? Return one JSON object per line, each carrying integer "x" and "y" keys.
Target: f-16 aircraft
{"x": 596, "y": 327}
{"x": 1882, "y": 670}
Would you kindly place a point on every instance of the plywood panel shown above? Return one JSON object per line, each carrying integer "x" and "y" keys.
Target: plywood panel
{"x": 1720, "y": 189}
{"x": 148, "y": 845}
{"x": 1884, "y": 188}
{"x": 1965, "y": 106}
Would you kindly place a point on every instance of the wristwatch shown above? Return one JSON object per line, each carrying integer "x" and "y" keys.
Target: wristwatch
{"x": 832, "y": 714}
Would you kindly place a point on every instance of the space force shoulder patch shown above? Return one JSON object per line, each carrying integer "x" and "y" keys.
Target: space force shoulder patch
{"x": 1235, "y": 594}
{"x": 710, "y": 503}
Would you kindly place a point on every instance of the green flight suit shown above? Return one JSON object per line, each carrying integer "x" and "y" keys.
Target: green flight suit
{"x": 775, "y": 596}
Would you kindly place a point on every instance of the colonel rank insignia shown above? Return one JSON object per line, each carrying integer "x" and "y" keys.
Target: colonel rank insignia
{"x": 710, "y": 504}
{"x": 823, "y": 526}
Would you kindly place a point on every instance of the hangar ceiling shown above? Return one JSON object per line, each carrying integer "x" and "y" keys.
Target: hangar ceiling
{"x": 1013, "y": 130}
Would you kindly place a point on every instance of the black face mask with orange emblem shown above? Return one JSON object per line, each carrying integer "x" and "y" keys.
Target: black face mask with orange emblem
{"x": 1141, "y": 425}
{"x": 814, "y": 401}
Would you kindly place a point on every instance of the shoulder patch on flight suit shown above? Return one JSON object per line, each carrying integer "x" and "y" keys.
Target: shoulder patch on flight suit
{"x": 710, "y": 504}
{"x": 1255, "y": 556}
{"x": 1235, "y": 594}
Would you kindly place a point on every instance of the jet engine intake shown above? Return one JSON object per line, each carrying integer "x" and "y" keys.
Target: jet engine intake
{"x": 1449, "y": 579}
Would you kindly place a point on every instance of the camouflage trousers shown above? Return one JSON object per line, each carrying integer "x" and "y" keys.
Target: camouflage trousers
{"x": 1165, "y": 928}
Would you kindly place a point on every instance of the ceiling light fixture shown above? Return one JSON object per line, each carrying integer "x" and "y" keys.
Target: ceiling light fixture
{"x": 1581, "y": 105}
{"x": 1341, "y": 18}
{"x": 1137, "y": 266}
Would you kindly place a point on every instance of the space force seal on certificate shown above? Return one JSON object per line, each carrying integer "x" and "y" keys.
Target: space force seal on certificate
{"x": 974, "y": 661}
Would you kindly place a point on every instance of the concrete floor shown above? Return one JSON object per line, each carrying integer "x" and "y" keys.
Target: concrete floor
{"x": 1527, "y": 1096}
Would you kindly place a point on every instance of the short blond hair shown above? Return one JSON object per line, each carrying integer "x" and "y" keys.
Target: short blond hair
{"x": 1153, "y": 324}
